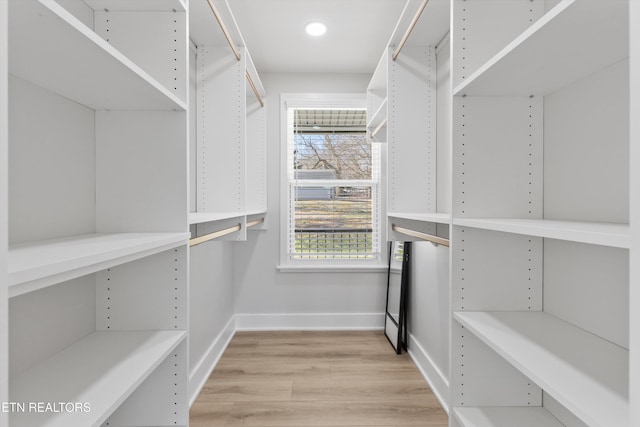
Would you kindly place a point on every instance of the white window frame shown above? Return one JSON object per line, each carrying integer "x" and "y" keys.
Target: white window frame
{"x": 319, "y": 101}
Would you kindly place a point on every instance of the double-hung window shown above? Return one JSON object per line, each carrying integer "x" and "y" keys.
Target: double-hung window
{"x": 332, "y": 186}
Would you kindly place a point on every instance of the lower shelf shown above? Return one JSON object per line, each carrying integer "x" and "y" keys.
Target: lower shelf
{"x": 585, "y": 373}
{"x": 505, "y": 417}
{"x": 95, "y": 375}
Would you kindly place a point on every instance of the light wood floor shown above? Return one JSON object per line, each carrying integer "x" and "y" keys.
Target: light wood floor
{"x": 325, "y": 379}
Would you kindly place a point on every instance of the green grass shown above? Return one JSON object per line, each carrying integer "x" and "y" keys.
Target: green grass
{"x": 333, "y": 214}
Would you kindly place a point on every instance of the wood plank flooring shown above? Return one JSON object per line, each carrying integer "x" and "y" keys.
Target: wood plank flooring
{"x": 299, "y": 379}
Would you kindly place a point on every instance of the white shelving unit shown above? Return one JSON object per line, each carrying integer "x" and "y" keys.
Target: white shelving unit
{"x": 202, "y": 217}
{"x": 111, "y": 364}
{"x": 634, "y": 254}
{"x": 231, "y": 129}
{"x": 505, "y": 416}
{"x": 402, "y": 98}
{"x": 562, "y": 358}
{"x": 522, "y": 67}
{"x": 36, "y": 265}
{"x": 438, "y": 218}
{"x": 96, "y": 74}
{"x": 595, "y": 233}
{"x": 4, "y": 209}
{"x": 540, "y": 234}
{"x": 95, "y": 275}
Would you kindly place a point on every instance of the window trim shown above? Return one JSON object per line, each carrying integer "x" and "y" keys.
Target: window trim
{"x": 311, "y": 101}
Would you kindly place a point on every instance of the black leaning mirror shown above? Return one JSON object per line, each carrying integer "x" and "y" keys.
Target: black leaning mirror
{"x": 395, "y": 322}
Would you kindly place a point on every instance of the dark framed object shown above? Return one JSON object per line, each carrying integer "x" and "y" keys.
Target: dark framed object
{"x": 395, "y": 322}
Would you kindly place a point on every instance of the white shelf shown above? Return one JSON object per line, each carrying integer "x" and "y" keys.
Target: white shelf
{"x": 137, "y": 5}
{"x": 36, "y": 265}
{"x": 202, "y": 217}
{"x": 505, "y": 417}
{"x": 596, "y": 233}
{"x": 378, "y": 116}
{"x": 53, "y": 49}
{"x": 102, "y": 369}
{"x": 573, "y": 40}
{"x": 438, "y": 218}
{"x": 585, "y": 373}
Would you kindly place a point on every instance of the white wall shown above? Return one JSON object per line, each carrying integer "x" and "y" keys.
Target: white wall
{"x": 211, "y": 308}
{"x": 266, "y": 298}
{"x": 428, "y": 321}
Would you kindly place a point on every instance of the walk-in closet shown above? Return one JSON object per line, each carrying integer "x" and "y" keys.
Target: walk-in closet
{"x": 319, "y": 213}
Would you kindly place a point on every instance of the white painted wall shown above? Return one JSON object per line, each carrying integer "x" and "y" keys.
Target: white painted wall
{"x": 429, "y": 316}
{"x": 211, "y": 306}
{"x": 267, "y": 298}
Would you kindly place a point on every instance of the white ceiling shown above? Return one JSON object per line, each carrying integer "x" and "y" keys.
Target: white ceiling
{"x": 357, "y": 33}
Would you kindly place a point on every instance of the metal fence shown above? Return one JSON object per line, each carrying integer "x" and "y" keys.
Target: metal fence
{"x": 343, "y": 243}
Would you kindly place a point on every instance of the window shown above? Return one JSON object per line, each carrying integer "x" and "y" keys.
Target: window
{"x": 332, "y": 187}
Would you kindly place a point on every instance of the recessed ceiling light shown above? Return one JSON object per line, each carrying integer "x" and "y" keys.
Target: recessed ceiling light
{"x": 316, "y": 28}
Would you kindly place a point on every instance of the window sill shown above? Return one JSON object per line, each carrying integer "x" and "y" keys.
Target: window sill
{"x": 328, "y": 268}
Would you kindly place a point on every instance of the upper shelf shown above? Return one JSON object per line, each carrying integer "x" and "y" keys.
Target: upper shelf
{"x": 573, "y": 40}
{"x": 202, "y": 217}
{"x": 438, "y": 218}
{"x": 585, "y": 373}
{"x": 36, "y": 265}
{"x": 505, "y": 417}
{"x": 596, "y": 233}
{"x": 51, "y": 48}
{"x": 102, "y": 369}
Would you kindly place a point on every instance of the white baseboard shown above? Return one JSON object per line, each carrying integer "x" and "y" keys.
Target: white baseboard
{"x": 310, "y": 322}
{"x": 436, "y": 379}
{"x": 201, "y": 372}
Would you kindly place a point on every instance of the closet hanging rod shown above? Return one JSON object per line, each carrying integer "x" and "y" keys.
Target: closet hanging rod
{"x": 255, "y": 89}
{"x": 210, "y": 236}
{"x": 235, "y": 50}
{"x": 380, "y": 126}
{"x": 408, "y": 32}
{"x": 255, "y": 222}
{"x": 420, "y": 235}
{"x": 224, "y": 29}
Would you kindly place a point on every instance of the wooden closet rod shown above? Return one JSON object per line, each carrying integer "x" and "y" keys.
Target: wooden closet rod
{"x": 255, "y": 89}
{"x": 380, "y": 126}
{"x": 210, "y": 236}
{"x": 234, "y": 49}
{"x": 411, "y": 27}
{"x": 255, "y": 222}
{"x": 224, "y": 29}
{"x": 424, "y": 236}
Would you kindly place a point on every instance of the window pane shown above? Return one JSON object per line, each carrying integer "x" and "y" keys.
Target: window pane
{"x": 340, "y": 155}
{"x": 331, "y": 218}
